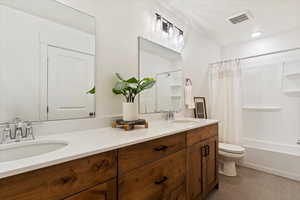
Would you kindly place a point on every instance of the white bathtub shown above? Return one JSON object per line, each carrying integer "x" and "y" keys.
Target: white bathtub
{"x": 277, "y": 159}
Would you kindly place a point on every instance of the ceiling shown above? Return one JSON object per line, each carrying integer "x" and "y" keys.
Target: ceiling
{"x": 270, "y": 17}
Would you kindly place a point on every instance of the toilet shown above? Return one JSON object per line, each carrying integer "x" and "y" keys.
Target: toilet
{"x": 229, "y": 154}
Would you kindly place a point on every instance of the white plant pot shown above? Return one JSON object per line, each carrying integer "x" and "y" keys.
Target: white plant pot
{"x": 130, "y": 112}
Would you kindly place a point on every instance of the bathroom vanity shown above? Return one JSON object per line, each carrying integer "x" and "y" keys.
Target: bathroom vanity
{"x": 170, "y": 161}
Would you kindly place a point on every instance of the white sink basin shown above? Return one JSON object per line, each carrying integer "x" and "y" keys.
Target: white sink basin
{"x": 19, "y": 151}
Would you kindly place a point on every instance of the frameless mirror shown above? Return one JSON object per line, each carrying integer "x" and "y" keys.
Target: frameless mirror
{"x": 163, "y": 64}
{"x": 47, "y": 65}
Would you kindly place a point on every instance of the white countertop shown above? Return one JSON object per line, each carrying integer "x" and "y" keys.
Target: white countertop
{"x": 89, "y": 142}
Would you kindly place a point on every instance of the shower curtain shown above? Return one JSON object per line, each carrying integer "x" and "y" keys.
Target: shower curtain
{"x": 225, "y": 99}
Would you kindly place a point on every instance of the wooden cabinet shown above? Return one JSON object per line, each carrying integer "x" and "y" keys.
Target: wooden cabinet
{"x": 159, "y": 180}
{"x": 202, "y": 157}
{"x": 60, "y": 181}
{"x": 104, "y": 191}
{"x": 178, "y": 167}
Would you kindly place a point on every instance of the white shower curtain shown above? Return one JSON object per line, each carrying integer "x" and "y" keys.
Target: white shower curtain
{"x": 225, "y": 99}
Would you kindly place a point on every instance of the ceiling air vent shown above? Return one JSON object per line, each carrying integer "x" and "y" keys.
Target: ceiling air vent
{"x": 239, "y": 18}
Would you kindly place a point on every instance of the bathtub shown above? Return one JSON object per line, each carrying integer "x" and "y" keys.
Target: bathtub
{"x": 273, "y": 158}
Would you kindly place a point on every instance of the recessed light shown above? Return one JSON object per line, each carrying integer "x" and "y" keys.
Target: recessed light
{"x": 256, "y": 34}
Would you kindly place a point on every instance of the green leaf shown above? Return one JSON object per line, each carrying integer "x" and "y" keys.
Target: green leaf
{"x": 121, "y": 85}
{"x": 119, "y": 77}
{"x": 132, "y": 80}
{"x": 117, "y": 92}
{"x": 92, "y": 91}
{"x": 133, "y": 85}
{"x": 149, "y": 83}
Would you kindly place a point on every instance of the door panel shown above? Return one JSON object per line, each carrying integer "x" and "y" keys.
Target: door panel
{"x": 70, "y": 77}
{"x": 195, "y": 171}
{"x": 211, "y": 160}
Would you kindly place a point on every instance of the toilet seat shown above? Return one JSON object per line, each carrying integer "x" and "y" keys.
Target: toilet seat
{"x": 230, "y": 148}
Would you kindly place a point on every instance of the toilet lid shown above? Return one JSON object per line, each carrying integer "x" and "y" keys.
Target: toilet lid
{"x": 230, "y": 148}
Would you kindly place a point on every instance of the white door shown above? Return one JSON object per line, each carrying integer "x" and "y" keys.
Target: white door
{"x": 70, "y": 77}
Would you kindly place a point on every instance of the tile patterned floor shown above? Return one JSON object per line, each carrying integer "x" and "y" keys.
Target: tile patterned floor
{"x": 254, "y": 185}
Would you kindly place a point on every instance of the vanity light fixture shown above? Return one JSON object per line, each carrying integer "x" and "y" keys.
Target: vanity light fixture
{"x": 165, "y": 25}
{"x": 170, "y": 31}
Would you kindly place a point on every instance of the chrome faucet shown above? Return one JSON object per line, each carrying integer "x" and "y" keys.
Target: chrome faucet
{"x": 29, "y": 130}
{"x": 6, "y": 134}
{"x": 21, "y": 131}
{"x": 170, "y": 115}
{"x": 18, "y": 130}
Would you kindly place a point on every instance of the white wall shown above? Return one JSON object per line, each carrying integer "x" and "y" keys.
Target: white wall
{"x": 276, "y": 42}
{"x": 119, "y": 23}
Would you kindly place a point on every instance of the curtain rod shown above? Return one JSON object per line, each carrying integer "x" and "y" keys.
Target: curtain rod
{"x": 255, "y": 56}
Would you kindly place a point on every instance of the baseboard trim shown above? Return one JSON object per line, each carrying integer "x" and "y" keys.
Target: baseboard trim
{"x": 268, "y": 170}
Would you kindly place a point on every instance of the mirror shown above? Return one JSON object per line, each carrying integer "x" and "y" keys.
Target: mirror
{"x": 163, "y": 64}
{"x": 47, "y": 65}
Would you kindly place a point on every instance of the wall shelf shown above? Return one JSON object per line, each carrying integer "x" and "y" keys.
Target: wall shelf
{"x": 262, "y": 108}
{"x": 293, "y": 75}
{"x": 293, "y": 93}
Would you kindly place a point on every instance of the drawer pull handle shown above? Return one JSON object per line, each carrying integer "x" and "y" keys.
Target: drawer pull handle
{"x": 161, "y": 148}
{"x": 69, "y": 179}
{"x": 164, "y": 179}
{"x": 100, "y": 165}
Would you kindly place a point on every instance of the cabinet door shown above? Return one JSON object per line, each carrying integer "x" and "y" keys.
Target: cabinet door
{"x": 105, "y": 191}
{"x": 195, "y": 166}
{"x": 211, "y": 164}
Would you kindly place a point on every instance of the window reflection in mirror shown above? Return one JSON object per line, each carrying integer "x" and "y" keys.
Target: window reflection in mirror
{"x": 47, "y": 65}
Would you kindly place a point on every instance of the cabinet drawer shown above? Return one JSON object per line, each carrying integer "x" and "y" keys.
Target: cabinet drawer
{"x": 138, "y": 155}
{"x": 105, "y": 191}
{"x": 60, "y": 181}
{"x": 200, "y": 134}
{"x": 75, "y": 176}
{"x": 158, "y": 180}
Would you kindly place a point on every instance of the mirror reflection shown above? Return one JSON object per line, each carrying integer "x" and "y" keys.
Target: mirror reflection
{"x": 47, "y": 65}
{"x": 163, "y": 64}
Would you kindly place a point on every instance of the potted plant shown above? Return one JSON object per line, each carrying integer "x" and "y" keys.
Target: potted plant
{"x": 130, "y": 89}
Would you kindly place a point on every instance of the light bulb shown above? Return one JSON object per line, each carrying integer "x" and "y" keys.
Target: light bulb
{"x": 171, "y": 31}
{"x": 180, "y": 38}
{"x": 158, "y": 23}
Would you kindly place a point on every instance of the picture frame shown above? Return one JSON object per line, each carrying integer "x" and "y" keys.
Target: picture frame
{"x": 200, "y": 110}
